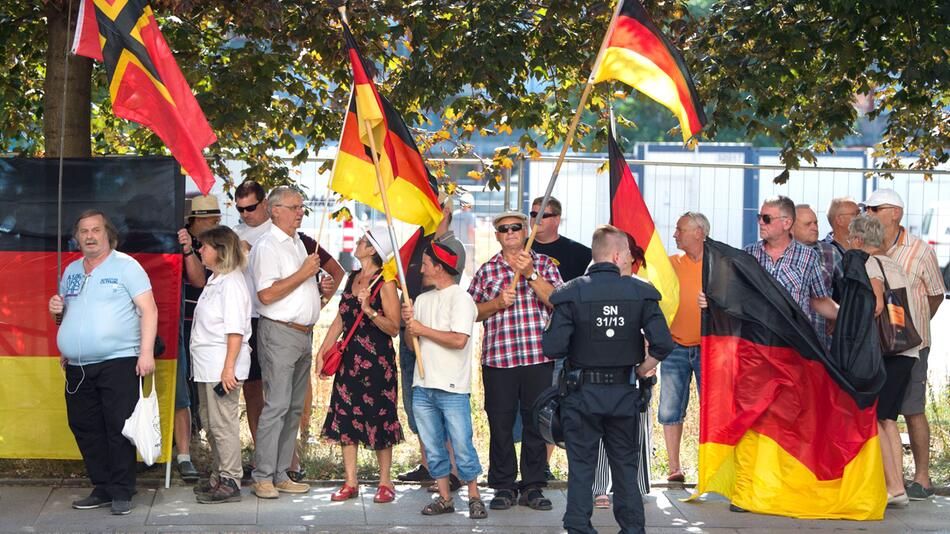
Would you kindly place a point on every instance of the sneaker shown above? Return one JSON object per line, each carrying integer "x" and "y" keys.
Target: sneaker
{"x": 289, "y": 486}
{"x": 92, "y": 501}
{"x": 917, "y": 492}
{"x": 738, "y": 510}
{"x": 265, "y": 489}
{"x": 187, "y": 471}
{"x": 419, "y": 474}
{"x": 454, "y": 484}
{"x": 898, "y": 501}
{"x": 225, "y": 491}
{"x": 205, "y": 487}
{"x": 121, "y": 507}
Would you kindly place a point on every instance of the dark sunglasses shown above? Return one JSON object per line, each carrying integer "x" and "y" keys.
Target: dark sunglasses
{"x": 875, "y": 209}
{"x": 505, "y": 228}
{"x": 767, "y": 219}
{"x": 249, "y": 209}
{"x": 534, "y": 215}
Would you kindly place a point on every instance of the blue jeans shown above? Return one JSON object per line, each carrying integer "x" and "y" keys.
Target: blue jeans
{"x": 674, "y": 383}
{"x": 442, "y": 415}
{"x": 407, "y": 370}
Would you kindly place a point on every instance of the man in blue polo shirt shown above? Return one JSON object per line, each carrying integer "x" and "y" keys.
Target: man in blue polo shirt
{"x": 108, "y": 320}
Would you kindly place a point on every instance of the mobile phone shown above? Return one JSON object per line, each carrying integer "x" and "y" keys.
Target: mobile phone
{"x": 219, "y": 389}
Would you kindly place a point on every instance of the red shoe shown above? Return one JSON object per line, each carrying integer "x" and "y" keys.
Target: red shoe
{"x": 344, "y": 493}
{"x": 385, "y": 494}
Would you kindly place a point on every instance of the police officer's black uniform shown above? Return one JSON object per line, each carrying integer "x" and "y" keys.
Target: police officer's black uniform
{"x": 596, "y": 325}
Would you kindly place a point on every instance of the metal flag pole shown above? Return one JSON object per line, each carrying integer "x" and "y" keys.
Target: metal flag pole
{"x": 389, "y": 222}
{"x": 570, "y": 134}
{"x": 62, "y": 145}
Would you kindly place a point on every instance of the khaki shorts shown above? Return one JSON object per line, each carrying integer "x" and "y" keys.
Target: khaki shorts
{"x": 915, "y": 398}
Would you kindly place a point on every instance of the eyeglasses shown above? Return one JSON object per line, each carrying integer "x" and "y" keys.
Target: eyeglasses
{"x": 294, "y": 207}
{"x": 534, "y": 215}
{"x": 249, "y": 209}
{"x": 505, "y": 228}
{"x": 875, "y": 209}
{"x": 767, "y": 219}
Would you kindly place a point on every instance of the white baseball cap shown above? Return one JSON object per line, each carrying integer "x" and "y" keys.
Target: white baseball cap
{"x": 883, "y": 197}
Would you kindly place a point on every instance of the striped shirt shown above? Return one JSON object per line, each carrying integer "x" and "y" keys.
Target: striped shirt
{"x": 919, "y": 263}
{"x": 799, "y": 271}
{"x": 513, "y": 335}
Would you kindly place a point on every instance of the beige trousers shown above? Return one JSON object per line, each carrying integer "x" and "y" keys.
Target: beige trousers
{"x": 221, "y": 417}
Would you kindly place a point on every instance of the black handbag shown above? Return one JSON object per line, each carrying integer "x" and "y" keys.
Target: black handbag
{"x": 894, "y": 324}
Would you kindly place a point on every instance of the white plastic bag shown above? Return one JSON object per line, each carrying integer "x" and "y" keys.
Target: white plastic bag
{"x": 144, "y": 428}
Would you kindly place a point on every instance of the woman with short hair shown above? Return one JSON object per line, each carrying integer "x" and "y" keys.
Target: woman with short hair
{"x": 221, "y": 359}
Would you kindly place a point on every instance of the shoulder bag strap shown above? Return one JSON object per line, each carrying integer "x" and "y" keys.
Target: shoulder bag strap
{"x": 359, "y": 317}
{"x": 887, "y": 287}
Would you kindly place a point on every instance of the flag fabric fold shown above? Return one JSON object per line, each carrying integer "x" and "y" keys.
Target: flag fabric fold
{"x": 629, "y": 213}
{"x": 145, "y": 83}
{"x": 781, "y": 430}
{"x": 639, "y": 55}
{"x": 410, "y": 187}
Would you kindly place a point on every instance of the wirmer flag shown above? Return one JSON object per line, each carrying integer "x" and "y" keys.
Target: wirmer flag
{"x": 629, "y": 213}
{"x": 145, "y": 83}
{"x": 410, "y": 187}
{"x": 639, "y": 55}
{"x": 782, "y": 430}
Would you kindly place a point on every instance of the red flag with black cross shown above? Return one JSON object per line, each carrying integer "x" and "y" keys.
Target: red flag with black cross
{"x": 145, "y": 83}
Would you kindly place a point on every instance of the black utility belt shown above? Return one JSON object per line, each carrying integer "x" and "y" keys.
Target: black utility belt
{"x": 606, "y": 377}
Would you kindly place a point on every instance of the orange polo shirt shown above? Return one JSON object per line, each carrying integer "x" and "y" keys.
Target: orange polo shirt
{"x": 686, "y": 325}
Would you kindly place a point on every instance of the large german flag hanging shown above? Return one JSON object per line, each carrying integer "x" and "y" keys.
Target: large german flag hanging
{"x": 639, "y": 55}
{"x": 410, "y": 188}
{"x": 629, "y": 213}
{"x": 781, "y": 431}
{"x": 145, "y": 83}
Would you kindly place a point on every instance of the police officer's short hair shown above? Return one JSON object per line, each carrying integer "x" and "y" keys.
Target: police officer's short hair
{"x": 699, "y": 220}
{"x": 607, "y": 239}
{"x": 553, "y": 203}
{"x": 109, "y": 227}
{"x": 784, "y": 204}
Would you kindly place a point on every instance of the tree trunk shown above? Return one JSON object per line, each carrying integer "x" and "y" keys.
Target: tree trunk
{"x": 76, "y": 141}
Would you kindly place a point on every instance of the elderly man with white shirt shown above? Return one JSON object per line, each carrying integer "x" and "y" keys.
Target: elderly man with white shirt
{"x": 284, "y": 278}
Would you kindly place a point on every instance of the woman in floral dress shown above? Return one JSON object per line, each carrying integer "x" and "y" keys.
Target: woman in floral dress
{"x": 362, "y": 407}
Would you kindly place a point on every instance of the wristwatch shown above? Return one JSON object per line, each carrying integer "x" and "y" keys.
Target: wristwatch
{"x": 533, "y": 277}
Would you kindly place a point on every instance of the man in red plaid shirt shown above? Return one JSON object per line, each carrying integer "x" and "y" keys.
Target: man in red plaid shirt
{"x": 514, "y": 370}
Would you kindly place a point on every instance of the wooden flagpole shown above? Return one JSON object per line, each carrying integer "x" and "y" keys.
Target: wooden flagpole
{"x": 570, "y": 134}
{"x": 389, "y": 223}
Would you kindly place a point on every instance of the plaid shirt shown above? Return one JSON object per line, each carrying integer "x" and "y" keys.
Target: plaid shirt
{"x": 799, "y": 271}
{"x": 919, "y": 262}
{"x": 830, "y": 262}
{"x": 513, "y": 335}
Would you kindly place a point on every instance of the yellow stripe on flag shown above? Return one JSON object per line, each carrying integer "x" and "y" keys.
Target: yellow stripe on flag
{"x": 758, "y": 475}
{"x": 659, "y": 271}
{"x": 635, "y": 70}
{"x": 367, "y": 109}
{"x": 33, "y": 408}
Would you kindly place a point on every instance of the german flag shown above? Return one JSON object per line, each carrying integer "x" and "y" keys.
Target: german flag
{"x": 782, "y": 431}
{"x": 639, "y": 55}
{"x": 629, "y": 213}
{"x": 410, "y": 187}
{"x": 143, "y": 196}
{"x": 145, "y": 83}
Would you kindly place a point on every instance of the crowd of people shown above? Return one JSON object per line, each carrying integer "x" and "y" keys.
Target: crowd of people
{"x": 559, "y": 313}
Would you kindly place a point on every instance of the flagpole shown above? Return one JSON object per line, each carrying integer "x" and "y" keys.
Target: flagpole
{"x": 326, "y": 206}
{"x": 62, "y": 144}
{"x": 570, "y": 134}
{"x": 389, "y": 221}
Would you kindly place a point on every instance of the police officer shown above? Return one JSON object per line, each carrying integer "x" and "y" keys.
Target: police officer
{"x": 597, "y": 325}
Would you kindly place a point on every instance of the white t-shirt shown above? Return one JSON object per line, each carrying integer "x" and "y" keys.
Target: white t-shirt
{"x": 276, "y": 256}
{"x": 896, "y": 279}
{"x": 449, "y": 310}
{"x": 223, "y": 308}
{"x": 251, "y": 234}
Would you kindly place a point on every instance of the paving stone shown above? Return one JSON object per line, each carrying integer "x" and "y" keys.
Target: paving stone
{"x": 19, "y": 506}
{"x": 177, "y": 506}
{"x": 311, "y": 509}
{"x": 59, "y": 514}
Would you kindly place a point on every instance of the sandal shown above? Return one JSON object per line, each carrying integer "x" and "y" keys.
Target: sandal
{"x": 438, "y": 506}
{"x": 385, "y": 494}
{"x": 344, "y": 493}
{"x": 535, "y": 500}
{"x": 676, "y": 476}
{"x": 602, "y": 501}
{"x": 476, "y": 509}
{"x": 503, "y": 500}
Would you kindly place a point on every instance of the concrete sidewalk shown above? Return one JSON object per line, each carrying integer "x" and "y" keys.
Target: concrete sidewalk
{"x": 25, "y": 508}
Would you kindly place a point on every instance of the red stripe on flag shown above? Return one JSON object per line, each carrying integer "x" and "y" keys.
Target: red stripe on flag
{"x": 628, "y": 211}
{"x": 776, "y": 392}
